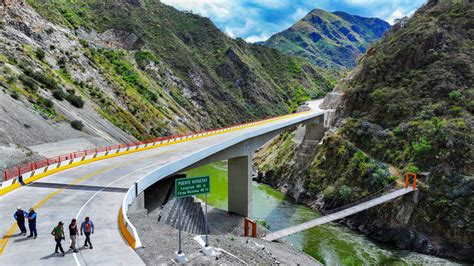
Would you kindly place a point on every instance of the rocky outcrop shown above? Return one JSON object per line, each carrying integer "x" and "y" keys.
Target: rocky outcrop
{"x": 113, "y": 39}
{"x": 403, "y": 107}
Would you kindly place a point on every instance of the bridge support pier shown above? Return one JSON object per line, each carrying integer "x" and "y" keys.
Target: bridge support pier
{"x": 314, "y": 130}
{"x": 240, "y": 185}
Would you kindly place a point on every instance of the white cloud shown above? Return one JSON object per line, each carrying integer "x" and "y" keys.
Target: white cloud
{"x": 395, "y": 14}
{"x": 257, "y": 38}
{"x": 299, "y": 13}
{"x": 256, "y": 20}
{"x": 216, "y": 9}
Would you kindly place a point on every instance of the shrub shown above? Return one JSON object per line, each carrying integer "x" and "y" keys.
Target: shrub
{"x": 294, "y": 67}
{"x": 392, "y": 178}
{"x": 14, "y": 95}
{"x": 264, "y": 224}
{"x": 328, "y": 192}
{"x": 75, "y": 100}
{"x": 421, "y": 148}
{"x": 379, "y": 178}
{"x": 143, "y": 58}
{"x": 412, "y": 168}
{"x": 84, "y": 43}
{"x": 11, "y": 79}
{"x": 46, "y": 103}
{"x": 455, "y": 95}
{"x": 455, "y": 110}
{"x": 28, "y": 82}
{"x": 59, "y": 94}
{"x": 76, "y": 124}
{"x": 40, "y": 54}
{"x": 62, "y": 62}
{"x": 345, "y": 192}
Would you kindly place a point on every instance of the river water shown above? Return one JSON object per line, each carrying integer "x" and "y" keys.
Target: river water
{"x": 331, "y": 243}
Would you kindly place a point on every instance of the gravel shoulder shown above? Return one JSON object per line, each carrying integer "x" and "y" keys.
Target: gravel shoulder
{"x": 226, "y": 235}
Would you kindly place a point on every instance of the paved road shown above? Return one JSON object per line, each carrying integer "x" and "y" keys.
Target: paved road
{"x": 96, "y": 190}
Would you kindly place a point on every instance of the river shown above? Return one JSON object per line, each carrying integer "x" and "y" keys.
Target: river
{"x": 331, "y": 243}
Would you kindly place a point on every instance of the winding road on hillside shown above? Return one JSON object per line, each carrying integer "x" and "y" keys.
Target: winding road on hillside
{"x": 97, "y": 189}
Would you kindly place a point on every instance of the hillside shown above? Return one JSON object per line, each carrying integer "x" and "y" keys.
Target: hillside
{"x": 408, "y": 106}
{"x": 123, "y": 70}
{"x": 330, "y": 40}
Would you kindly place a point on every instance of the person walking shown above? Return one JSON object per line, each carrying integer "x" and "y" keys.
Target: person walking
{"x": 32, "y": 223}
{"x": 58, "y": 233}
{"x": 73, "y": 232}
{"x": 20, "y": 216}
{"x": 88, "y": 228}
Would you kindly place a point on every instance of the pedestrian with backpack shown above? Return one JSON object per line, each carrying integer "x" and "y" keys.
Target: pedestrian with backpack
{"x": 87, "y": 228}
{"x": 58, "y": 233}
{"x": 20, "y": 216}
{"x": 73, "y": 232}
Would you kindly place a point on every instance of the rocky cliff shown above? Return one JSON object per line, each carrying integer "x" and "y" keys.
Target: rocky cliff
{"x": 116, "y": 71}
{"x": 406, "y": 107}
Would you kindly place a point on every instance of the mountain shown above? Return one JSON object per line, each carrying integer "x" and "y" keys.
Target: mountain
{"x": 330, "y": 40}
{"x": 124, "y": 70}
{"x": 407, "y": 107}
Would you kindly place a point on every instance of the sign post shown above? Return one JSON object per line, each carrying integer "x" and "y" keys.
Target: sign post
{"x": 207, "y": 227}
{"x": 185, "y": 187}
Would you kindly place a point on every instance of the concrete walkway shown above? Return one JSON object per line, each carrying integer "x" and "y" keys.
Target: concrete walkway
{"x": 338, "y": 215}
{"x": 96, "y": 190}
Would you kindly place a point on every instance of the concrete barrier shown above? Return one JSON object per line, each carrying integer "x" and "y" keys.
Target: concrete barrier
{"x": 127, "y": 229}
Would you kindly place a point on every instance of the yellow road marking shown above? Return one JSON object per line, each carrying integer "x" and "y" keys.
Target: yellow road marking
{"x": 8, "y": 189}
{"x": 8, "y": 235}
{"x": 14, "y": 227}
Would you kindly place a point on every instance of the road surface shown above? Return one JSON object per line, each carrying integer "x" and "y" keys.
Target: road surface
{"x": 95, "y": 189}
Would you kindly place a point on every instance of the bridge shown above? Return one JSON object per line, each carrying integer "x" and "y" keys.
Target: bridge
{"x": 338, "y": 215}
{"x": 106, "y": 183}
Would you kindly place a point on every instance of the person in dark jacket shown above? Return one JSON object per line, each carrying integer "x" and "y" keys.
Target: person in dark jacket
{"x": 73, "y": 232}
{"x": 58, "y": 233}
{"x": 88, "y": 228}
{"x": 32, "y": 223}
{"x": 20, "y": 216}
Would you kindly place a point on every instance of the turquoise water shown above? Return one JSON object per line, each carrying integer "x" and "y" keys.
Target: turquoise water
{"x": 331, "y": 243}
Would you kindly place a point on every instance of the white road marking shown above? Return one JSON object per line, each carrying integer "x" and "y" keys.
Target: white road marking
{"x": 98, "y": 192}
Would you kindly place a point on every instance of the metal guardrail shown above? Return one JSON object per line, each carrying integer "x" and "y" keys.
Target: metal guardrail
{"x": 25, "y": 168}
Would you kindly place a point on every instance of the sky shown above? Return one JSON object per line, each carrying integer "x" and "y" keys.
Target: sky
{"x": 257, "y": 20}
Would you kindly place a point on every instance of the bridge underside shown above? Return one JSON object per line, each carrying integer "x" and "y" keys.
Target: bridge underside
{"x": 239, "y": 158}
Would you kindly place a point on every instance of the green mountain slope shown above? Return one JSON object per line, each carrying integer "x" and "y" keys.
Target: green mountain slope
{"x": 330, "y": 40}
{"x": 408, "y": 106}
{"x": 226, "y": 76}
{"x": 145, "y": 67}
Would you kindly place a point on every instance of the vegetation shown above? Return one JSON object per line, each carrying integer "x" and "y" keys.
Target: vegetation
{"x": 407, "y": 108}
{"x": 76, "y": 124}
{"x": 217, "y": 76}
{"x": 330, "y": 40}
{"x": 40, "y": 54}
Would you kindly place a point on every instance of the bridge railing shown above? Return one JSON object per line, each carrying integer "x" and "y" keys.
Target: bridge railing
{"x": 56, "y": 161}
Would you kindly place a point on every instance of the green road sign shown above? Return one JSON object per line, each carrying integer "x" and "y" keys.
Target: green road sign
{"x": 185, "y": 187}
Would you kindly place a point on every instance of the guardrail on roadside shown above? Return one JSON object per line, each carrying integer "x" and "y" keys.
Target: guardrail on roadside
{"x": 29, "y": 170}
{"x": 24, "y": 169}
